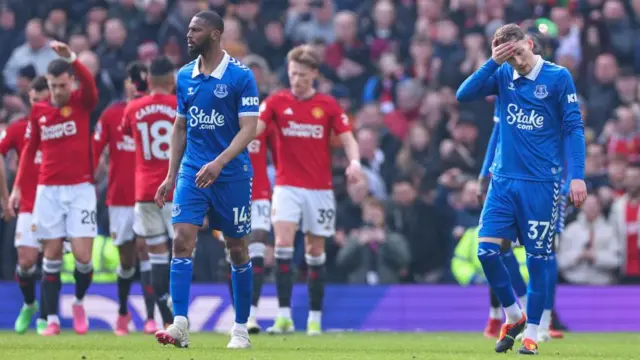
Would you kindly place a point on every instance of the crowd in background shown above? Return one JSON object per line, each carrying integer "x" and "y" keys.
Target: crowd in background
{"x": 394, "y": 65}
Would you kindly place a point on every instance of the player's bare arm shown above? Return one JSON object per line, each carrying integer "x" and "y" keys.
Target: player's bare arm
{"x": 176, "y": 147}
{"x": 7, "y": 211}
{"x": 28, "y": 153}
{"x": 208, "y": 173}
{"x": 350, "y": 145}
{"x": 88, "y": 90}
{"x": 261, "y": 126}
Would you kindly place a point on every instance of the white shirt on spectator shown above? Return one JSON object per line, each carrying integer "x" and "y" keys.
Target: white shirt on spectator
{"x": 23, "y": 56}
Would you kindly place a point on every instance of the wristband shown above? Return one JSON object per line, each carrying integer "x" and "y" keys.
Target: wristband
{"x": 71, "y": 59}
{"x": 356, "y": 163}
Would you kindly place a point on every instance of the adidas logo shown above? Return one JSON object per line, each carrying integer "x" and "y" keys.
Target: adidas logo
{"x": 288, "y": 111}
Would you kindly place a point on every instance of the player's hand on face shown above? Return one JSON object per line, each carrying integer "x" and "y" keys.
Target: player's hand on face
{"x": 208, "y": 173}
{"x": 163, "y": 192}
{"x": 501, "y": 53}
{"x": 578, "y": 192}
{"x": 61, "y": 49}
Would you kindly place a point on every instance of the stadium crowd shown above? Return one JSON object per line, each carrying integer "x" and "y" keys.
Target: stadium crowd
{"x": 394, "y": 66}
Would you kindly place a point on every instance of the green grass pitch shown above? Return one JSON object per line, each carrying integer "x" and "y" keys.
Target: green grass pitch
{"x": 369, "y": 346}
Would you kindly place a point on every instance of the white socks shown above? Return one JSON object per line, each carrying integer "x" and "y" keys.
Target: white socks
{"x": 513, "y": 312}
{"x": 315, "y": 316}
{"x": 545, "y": 321}
{"x": 495, "y": 313}
{"x": 284, "y": 312}
{"x": 531, "y": 332}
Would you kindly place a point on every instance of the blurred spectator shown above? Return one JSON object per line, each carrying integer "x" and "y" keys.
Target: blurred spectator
{"x": 310, "y": 22}
{"x": 128, "y": 12}
{"x": 79, "y": 43}
{"x": 383, "y": 34}
{"x": 589, "y": 253}
{"x": 408, "y": 98}
{"x": 11, "y": 35}
{"x": 468, "y": 209}
{"x": 35, "y": 51}
{"x": 375, "y": 255}
{"x": 462, "y": 150}
{"x": 601, "y": 92}
{"x": 116, "y": 52}
{"x": 381, "y": 88}
{"x": 624, "y": 219}
{"x": 173, "y": 32}
{"x": 106, "y": 88}
{"x": 56, "y": 25}
{"x": 277, "y": 45}
{"x": 625, "y": 140}
{"x": 153, "y": 15}
{"x": 253, "y": 24}
{"x": 233, "y": 39}
{"x": 373, "y": 162}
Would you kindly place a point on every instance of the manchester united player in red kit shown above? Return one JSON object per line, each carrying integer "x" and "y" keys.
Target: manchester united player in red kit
{"x": 149, "y": 120}
{"x": 303, "y": 120}
{"x": 65, "y": 203}
{"x": 121, "y": 199}
{"x": 28, "y": 247}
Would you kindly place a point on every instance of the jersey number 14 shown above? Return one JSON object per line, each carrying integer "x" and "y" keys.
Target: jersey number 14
{"x": 155, "y": 139}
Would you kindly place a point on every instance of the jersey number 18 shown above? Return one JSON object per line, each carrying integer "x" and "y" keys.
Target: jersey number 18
{"x": 155, "y": 138}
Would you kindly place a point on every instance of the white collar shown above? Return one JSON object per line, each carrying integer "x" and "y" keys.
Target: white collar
{"x": 219, "y": 70}
{"x": 533, "y": 74}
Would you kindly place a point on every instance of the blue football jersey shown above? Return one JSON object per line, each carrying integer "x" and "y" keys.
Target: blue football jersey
{"x": 535, "y": 112}
{"x": 212, "y": 105}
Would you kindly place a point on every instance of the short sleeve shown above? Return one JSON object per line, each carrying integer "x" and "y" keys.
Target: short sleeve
{"x": 248, "y": 101}
{"x": 6, "y": 140}
{"x": 339, "y": 120}
{"x": 125, "y": 126}
{"x": 266, "y": 111}
{"x": 182, "y": 100}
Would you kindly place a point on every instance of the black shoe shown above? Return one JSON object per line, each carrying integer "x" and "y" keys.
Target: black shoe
{"x": 508, "y": 334}
{"x": 556, "y": 323}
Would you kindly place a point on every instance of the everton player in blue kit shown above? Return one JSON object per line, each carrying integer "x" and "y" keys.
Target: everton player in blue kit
{"x": 538, "y": 110}
{"x": 209, "y": 163}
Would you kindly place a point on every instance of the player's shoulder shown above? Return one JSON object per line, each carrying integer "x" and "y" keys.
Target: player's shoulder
{"x": 187, "y": 70}
{"x": 116, "y": 106}
{"x": 552, "y": 69}
{"x": 278, "y": 97}
{"x": 236, "y": 66}
{"x": 325, "y": 101}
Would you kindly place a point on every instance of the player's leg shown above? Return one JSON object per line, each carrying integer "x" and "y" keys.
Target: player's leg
{"x": 260, "y": 228}
{"x": 498, "y": 222}
{"x": 545, "y": 333}
{"x": 41, "y": 322}
{"x": 28, "y": 249}
{"x": 286, "y": 212}
{"x": 48, "y": 225}
{"x": 81, "y": 227}
{"x": 537, "y": 217}
{"x": 188, "y": 210}
{"x": 149, "y": 224}
{"x": 231, "y": 213}
{"x": 150, "y": 326}
{"x": 513, "y": 267}
{"x": 121, "y": 229}
{"x": 318, "y": 223}
{"x": 492, "y": 330}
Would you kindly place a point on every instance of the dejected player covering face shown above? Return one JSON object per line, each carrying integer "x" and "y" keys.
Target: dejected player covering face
{"x": 519, "y": 54}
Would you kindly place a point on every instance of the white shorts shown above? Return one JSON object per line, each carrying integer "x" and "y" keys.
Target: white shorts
{"x": 62, "y": 211}
{"x": 121, "y": 224}
{"x": 261, "y": 215}
{"x": 316, "y": 209}
{"x": 153, "y": 223}
{"x": 24, "y": 235}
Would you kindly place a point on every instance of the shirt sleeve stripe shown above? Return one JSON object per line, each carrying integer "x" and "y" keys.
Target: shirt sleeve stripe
{"x": 242, "y": 114}
{"x": 181, "y": 115}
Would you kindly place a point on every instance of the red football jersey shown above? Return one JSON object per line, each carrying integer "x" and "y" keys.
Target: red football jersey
{"x": 122, "y": 155}
{"x": 15, "y": 138}
{"x": 149, "y": 120}
{"x": 304, "y": 127}
{"x": 63, "y": 134}
{"x": 258, "y": 152}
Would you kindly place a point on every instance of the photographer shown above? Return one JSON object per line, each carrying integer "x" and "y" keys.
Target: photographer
{"x": 373, "y": 254}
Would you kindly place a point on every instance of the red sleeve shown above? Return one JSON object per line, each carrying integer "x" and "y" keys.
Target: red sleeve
{"x": 8, "y": 140}
{"x": 32, "y": 137}
{"x": 88, "y": 91}
{"x": 100, "y": 136}
{"x": 266, "y": 112}
{"x": 339, "y": 120}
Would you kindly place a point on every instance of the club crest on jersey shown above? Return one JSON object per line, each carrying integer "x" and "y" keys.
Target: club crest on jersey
{"x": 317, "y": 113}
{"x": 175, "y": 210}
{"x": 65, "y": 111}
{"x": 221, "y": 91}
{"x": 541, "y": 91}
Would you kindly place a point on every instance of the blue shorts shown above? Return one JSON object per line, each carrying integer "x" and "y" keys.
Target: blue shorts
{"x": 228, "y": 205}
{"x": 521, "y": 210}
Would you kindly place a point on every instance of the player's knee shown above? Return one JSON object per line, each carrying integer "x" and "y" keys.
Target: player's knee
{"x": 238, "y": 251}
{"x": 52, "y": 249}
{"x": 141, "y": 247}
{"x": 258, "y": 237}
{"x": 183, "y": 243}
{"x": 284, "y": 233}
{"x": 314, "y": 245}
{"x": 82, "y": 256}
{"x": 27, "y": 257}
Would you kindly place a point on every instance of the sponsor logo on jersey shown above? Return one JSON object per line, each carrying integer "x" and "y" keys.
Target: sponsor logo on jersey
{"x": 572, "y": 98}
{"x": 317, "y": 113}
{"x": 541, "y": 91}
{"x": 303, "y": 130}
{"x": 151, "y": 109}
{"x": 57, "y": 131}
{"x": 198, "y": 118}
{"x": 525, "y": 121}
{"x": 250, "y": 101}
{"x": 38, "y": 157}
{"x": 221, "y": 91}
{"x": 127, "y": 144}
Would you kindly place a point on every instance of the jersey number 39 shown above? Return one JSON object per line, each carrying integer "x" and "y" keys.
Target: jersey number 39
{"x": 155, "y": 139}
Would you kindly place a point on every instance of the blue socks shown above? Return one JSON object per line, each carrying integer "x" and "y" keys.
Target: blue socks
{"x": 513, "y": 266}
{"x": 496, "y": 273}
{"x": 537, "y": 286}
{"x": 181, "y": 270}
{"x": 552, "y": 279}
{"x": 242, "y": 280}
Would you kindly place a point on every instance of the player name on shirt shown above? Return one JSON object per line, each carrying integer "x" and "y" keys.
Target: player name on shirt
{"x": 155, "y": 109}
